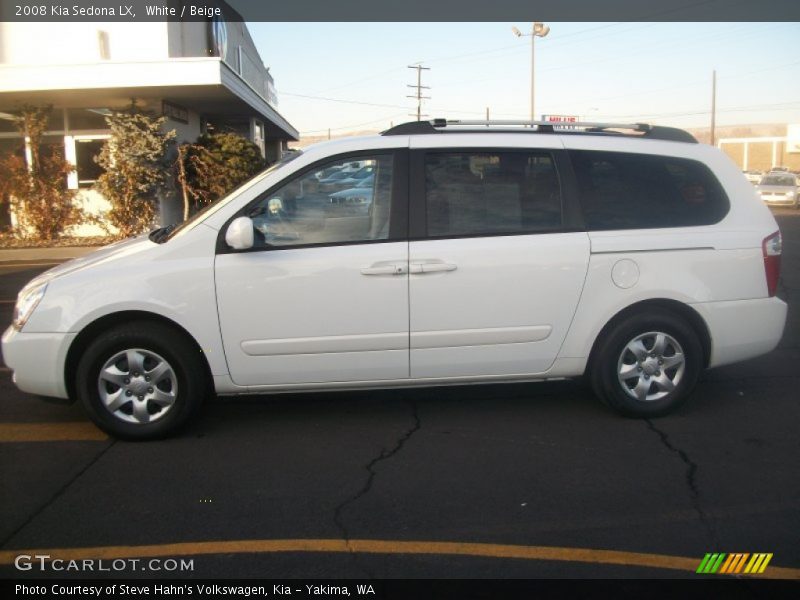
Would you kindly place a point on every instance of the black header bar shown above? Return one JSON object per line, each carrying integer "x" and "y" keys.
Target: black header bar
{"x": 408, "y": 10}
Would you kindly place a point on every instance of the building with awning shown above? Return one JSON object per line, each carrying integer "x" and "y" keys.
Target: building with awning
{"x": 202, "y": 75}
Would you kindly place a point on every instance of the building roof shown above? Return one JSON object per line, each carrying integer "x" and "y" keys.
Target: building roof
{"x": 207, "y": 85}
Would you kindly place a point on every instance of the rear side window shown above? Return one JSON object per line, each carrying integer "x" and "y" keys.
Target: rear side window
{"x": 469, "y": 193}
{"x": 638, "y": 191}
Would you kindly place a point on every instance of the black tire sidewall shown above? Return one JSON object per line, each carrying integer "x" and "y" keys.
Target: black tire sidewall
{"x": 606, "y": 376}
{"x": 166, "y": 342}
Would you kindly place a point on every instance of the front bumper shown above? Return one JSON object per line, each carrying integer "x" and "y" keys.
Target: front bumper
{"x": 779, "y": 201}
{"x": 37, "y": 360}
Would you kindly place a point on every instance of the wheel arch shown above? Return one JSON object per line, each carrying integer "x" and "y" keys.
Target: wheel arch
{"x": 96, "y": 327}
{"x": 680, "y": 309}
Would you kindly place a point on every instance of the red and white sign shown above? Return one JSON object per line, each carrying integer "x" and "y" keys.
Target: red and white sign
{"x": 561, "y": 121}
{"x": 560, "y": 118}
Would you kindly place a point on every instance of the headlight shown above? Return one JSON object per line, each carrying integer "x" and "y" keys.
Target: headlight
{"x": 27, "y": 301}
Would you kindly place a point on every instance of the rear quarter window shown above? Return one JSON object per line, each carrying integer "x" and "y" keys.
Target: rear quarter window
{"x": 638, "y": 191}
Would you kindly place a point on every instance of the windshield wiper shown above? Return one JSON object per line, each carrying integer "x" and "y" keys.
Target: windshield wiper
{"x": 160, "y": 235}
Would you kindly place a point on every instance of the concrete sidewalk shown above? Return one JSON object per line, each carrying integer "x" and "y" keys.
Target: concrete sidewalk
{"x": 44, "y": 254}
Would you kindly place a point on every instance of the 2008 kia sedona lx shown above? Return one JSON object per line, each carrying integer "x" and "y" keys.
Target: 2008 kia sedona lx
{"x": 436, "y": 253}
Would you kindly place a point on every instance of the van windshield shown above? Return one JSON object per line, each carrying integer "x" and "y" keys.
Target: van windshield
{"x": 164, "y": 234}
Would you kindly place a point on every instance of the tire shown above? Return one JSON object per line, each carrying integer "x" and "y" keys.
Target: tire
{"x": 141, "y": 380}
{"x": 663, "y": 357}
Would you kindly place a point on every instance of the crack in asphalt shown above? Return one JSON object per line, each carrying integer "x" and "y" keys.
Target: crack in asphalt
{"x": 58, "y": 493}
{"x": 691, "y": 482}
{"x": 367, "y": 487}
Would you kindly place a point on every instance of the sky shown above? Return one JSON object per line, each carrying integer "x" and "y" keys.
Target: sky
{"x": 354, "y": 76}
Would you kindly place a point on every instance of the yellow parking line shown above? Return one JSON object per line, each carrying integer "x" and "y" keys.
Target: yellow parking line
{"x": 552, "y": 553}
{"x": 50, "y": 432}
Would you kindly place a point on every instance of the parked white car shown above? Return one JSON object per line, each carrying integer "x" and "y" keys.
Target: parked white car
{"x": 753, "y": 176}
{"x": 487, "y": 255}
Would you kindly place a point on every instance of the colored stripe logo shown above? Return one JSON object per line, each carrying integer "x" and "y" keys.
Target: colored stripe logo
{"x": 734, "y": 564}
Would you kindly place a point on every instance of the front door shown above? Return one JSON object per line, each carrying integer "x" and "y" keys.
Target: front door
{"x": 323, "y": 295}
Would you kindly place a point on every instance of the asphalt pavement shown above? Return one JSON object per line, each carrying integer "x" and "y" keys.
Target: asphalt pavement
{"x": 496, "y": 481}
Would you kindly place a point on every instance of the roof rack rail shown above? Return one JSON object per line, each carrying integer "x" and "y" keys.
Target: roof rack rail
{"x": 645, "y": 130}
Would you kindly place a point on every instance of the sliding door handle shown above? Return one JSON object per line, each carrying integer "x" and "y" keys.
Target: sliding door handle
{"x": 431, "y": 267}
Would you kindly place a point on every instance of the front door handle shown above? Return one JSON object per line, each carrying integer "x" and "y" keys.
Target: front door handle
{"x": 382, "y": 268}
{"x": 431, "y": 266}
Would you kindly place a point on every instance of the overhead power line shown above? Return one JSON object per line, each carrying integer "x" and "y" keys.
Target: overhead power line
{"x": 354, "y": 125}
{"x": 343, "y": 100}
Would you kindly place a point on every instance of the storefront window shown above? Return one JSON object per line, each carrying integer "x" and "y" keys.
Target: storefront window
{"x": 85, "y": 152}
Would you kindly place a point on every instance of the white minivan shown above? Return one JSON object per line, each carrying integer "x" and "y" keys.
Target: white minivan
{"x": 485, "y": 252}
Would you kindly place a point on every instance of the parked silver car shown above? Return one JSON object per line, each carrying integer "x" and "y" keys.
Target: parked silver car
{"x": 356, "y": 199}
{"x": 779, "y": 189}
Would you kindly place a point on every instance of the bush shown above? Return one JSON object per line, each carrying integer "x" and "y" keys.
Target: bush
{"x": 213, "y": 166}
{"x": 40, "y": 200}
{"x": 136, "y": 168}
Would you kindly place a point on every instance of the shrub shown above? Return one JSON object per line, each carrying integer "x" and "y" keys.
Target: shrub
{"x": 213, "y": 166}
{"x": 40, "y": 200}
{"x": 136, "y": 168}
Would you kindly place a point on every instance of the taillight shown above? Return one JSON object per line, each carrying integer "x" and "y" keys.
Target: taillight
{"x": 772, "y": 260}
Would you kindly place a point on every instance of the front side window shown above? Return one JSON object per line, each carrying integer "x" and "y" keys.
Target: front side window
{"x": 475, "y": 193}
{"x": 640, "y": 191}
{"x": 338, "y": 202}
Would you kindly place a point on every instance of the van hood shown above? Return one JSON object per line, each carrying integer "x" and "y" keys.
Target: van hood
{"x": 108, "y": 253}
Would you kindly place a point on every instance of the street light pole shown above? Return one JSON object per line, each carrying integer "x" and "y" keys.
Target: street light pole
{"x": 537, "y": 30}
{"x": 533, "y": 76}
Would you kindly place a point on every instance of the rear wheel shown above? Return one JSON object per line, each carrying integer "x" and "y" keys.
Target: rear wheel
{"x": 648, "y": 364}
{"x": 141, "y": 380}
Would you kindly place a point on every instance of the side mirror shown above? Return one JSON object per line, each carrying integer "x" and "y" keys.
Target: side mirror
{"x": 240, "y": 233}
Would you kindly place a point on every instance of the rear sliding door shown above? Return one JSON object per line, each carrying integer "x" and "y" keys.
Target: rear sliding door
{"x": 496, "y": 264}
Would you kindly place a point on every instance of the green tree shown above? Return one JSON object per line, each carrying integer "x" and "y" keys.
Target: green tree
{"x": 40, "y": 200}
{"x": 213, "y": 166}
{"x": 136, "y": 168}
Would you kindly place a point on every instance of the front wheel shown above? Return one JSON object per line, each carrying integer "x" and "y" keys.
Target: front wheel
{"x": 648, "y": 364}
{"x": 141, "y": 380}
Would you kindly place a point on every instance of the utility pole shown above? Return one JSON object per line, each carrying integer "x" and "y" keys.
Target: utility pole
{"x": 419, "y": 87}
{"x": 713, "y": 104}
